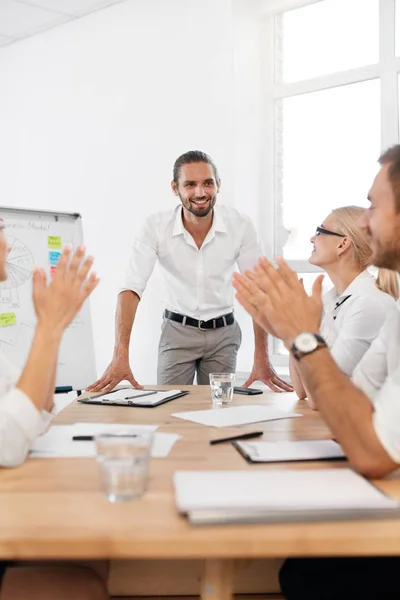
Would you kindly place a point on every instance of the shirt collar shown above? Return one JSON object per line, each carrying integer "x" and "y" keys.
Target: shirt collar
{"x": 218, "y": 223}
{"x": 363, "y": 282}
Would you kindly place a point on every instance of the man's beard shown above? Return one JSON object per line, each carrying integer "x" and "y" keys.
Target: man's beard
{"x": 387, "y": 255}
{"x": 199, "y": 211}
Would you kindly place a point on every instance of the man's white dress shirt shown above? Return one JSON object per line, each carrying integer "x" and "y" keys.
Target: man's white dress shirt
{"x": 378, "y": 375}
{"x": 20, "y": 421}
{"x": 353, "y": 319}
{"x": 198, "y": 281}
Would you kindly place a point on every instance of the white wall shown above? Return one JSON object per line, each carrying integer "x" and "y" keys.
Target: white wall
{"x": 92, "y": 117}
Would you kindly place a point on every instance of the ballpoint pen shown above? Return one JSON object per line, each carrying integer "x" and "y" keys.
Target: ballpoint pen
{"x": 244, "y": 436}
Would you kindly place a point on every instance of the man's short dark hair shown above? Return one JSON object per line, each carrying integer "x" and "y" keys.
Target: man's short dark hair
{"x": 193, "y": 156}
{"x": 391, "y": 157}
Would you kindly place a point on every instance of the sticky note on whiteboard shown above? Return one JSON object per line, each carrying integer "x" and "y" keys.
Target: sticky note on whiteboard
{"x": 54, "y": 257}
{"x": 52, "y": 271}
{"x": 54, "y": 242}
{"x": 7, "y": 319}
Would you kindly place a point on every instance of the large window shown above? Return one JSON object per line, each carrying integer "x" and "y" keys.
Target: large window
{"x": 335, "y": 105}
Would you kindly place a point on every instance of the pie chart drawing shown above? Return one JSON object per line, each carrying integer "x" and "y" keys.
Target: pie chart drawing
{"x": 19, "y": 264}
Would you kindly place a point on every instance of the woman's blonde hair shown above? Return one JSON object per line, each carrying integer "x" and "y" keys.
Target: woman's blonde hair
{"x": 348, "y": 223}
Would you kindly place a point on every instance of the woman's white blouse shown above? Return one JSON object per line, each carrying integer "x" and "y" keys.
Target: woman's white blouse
{"x": 353, "y": 320}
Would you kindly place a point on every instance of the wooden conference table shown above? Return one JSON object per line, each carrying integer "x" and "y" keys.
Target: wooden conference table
{"x": 53, "y": 508}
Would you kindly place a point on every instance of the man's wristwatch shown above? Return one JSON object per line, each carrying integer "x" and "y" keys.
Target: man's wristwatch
{"x": 306, "y": 343}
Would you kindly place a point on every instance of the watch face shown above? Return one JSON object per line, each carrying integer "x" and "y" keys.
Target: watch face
{"x": 306, "y": 342}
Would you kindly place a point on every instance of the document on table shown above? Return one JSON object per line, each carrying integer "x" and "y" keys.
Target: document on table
{"x": 235, "y": 415}
{"x": 133, "y": 397}
{"x": 279, "y": 495}
{"x": 286, "y": 451}
{"x": 57, "y": 442}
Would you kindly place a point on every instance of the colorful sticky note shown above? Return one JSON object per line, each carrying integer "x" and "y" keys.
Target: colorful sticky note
{"x": 7, "y": 319}
{"x": 54, "y": 242}
{"x": 52, "y": 271}
{"x": 54, "y": 257}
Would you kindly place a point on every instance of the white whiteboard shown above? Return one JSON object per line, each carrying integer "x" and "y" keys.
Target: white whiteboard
{"x": 27, "y": 233}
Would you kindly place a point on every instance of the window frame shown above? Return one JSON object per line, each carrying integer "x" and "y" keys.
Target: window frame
{"x": 387, "y": 70}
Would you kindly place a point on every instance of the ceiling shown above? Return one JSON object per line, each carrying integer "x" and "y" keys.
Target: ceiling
{"x": 20, "y": 19}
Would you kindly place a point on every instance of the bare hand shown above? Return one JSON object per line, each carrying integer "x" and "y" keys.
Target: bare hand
{"x": 116, "y": 371}
{"x": 57, "y": 304}
{"x": 246, "y": 285}
{"x": 263, "y": 371}
{"x": 279, "y": 298}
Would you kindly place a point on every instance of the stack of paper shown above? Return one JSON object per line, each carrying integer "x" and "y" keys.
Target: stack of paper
{"x": 58, "y": 442}
{"x": 235, "y": 415}
{"x": 279, "y": 495}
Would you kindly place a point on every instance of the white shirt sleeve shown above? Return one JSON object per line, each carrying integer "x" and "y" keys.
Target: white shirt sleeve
{"x": 371, "y": 372}
{"x": 386, "y": 418}
{"x": 364, "y": 319}
{"x": 143, "y": 258}
{"x": 20, "y": 425}
{"x": 251, "y": 248}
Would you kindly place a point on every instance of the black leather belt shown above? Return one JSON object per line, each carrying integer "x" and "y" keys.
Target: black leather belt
{"x": 203, "y": 325}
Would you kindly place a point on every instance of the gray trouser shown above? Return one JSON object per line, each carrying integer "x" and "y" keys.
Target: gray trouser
{"x": 184, "y": 350}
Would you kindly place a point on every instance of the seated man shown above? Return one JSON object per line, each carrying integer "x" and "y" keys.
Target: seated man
{"x": 24, "y": 398}
{"x": 369, "y": 432}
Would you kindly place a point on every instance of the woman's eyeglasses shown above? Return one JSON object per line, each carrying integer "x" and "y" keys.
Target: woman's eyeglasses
{"x": 320, "y": 230}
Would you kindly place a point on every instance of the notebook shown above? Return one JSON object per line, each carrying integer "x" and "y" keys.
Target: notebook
{"x": 281, "y": 495}
{"x": 134, "y": 397}
{"x": 286, "y": 451}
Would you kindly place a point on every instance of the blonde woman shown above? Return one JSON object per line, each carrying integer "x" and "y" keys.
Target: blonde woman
{"x": 358, "y": 305}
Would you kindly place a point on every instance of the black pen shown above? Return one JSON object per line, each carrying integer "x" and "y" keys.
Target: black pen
{"x": 244, "y": 436}
{"x": 90, "y": 438}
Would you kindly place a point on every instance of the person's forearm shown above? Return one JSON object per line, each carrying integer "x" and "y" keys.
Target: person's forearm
{"x": 260, "y": 341}
{"x": 347, "y": 411}
{"x": 126, "y": 311}
{"x": 295, "y": 377}
{"x": 37, "y": 378}
{"x": 50, "y": 396}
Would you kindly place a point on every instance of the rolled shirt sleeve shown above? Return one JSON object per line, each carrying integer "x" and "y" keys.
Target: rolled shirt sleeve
{"x": 142, "y": 261}
{"x": 251, "y": 248}
{"x": 364, "y": 319}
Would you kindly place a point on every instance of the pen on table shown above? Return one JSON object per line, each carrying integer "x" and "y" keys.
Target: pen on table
{"x": 244, "y": 436}
{"x": 90, "y": 438}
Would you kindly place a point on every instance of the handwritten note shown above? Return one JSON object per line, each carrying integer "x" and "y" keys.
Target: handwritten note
{"x": 7, "y": 319}
{"x": 54, "y": 257}
{"x": 54, "y": 242}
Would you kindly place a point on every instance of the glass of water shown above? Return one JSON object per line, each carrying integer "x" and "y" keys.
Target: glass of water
{"x": 124, "y": 463}
{"x": 222, "y": 387}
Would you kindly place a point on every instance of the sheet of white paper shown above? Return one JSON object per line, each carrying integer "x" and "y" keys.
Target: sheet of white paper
{"x": 123, "y": 394}
{"x": 96, "y": 428}
{"x": 287, "y": 451}
{"x": 235, "y": 415}
{"x": 58, "y": 442}
{"x": 277, "y": 490}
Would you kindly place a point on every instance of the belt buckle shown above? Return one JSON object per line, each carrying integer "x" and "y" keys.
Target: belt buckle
{"x": 200, "y": 327}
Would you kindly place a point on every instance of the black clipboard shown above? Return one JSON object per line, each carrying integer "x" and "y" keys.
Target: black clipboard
{"x": 133, "y": 403}
{"x": 249, "y": 459}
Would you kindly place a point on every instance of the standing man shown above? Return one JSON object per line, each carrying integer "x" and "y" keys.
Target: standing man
{"x": 197, "y": 245}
